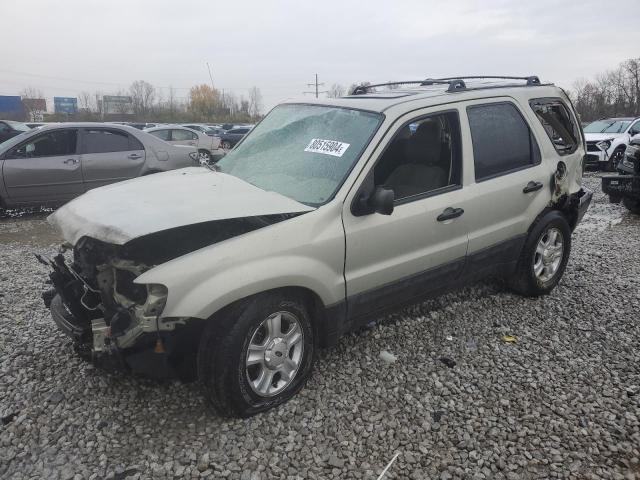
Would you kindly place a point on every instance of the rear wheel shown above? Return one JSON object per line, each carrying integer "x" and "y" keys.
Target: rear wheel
{"x": 544, "y": 256}
{"x": 632, "y": 205}
{"x": 256, "y": 355}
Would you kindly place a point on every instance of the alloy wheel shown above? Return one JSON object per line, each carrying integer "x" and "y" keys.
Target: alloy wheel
{"x": 548, "y": 255}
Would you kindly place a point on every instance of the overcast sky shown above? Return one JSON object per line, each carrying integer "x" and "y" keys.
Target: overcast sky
{"x": 66, "y": 47}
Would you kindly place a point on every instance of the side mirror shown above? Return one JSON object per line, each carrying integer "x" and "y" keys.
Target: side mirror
{"x": 380, "y": 201}
{"x": 635, "y": 140}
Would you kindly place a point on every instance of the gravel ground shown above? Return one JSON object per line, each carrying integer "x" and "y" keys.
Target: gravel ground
{"x": 562, "y": 401}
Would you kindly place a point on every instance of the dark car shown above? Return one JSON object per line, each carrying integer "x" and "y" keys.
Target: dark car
{"x": 626, "y": 186}
{"x": 233, "y": 136}
{"x": 9, "y": 129}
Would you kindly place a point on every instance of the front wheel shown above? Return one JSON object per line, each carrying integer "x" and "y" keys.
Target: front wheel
{"x": 544, "y": 256}
{"x": 632, "y": 205}
{"x": 616, "y": 157}
{"x": 204, "y": 156}
{"x": 256, "y": 355}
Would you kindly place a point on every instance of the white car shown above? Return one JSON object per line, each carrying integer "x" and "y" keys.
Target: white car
{"x": 607, "y": 140}
{"x": 326, "y": 215}
{"x": 208, "y": 146}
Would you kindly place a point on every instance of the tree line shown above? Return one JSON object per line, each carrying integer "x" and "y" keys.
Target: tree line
{"x": 204, "y": 103}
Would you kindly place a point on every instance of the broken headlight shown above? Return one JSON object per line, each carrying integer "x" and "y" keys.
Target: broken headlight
{"x": 604, "y": 144}
{"x": 156, "y": 299}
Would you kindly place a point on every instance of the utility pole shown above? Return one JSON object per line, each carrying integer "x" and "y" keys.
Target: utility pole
{"x": 316, "y": 84}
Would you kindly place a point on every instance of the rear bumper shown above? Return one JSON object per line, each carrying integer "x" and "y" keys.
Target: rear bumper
{"x": 581, "y": 200}
{"x": 621, "y": 186}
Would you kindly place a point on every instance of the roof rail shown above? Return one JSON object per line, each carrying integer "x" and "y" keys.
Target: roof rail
{"x": 456, "y": 84}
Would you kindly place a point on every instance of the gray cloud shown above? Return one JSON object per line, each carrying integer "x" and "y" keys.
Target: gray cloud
{"x": 66, "y": 47}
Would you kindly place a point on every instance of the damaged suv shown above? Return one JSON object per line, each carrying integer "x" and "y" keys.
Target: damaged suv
{"x": 327, "y": 214}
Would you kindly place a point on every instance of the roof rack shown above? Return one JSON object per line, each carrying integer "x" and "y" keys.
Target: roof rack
{"x": 456, "y": 84}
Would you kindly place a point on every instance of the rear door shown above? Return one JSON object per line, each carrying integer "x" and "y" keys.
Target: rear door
{"x": 44, "y": 169}
{"x": 512, "y": 184}
{"x": 110, "y": 155}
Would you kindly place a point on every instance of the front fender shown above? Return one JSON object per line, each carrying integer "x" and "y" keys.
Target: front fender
{"x": 306, "y": 251}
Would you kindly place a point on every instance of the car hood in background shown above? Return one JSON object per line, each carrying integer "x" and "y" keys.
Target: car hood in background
{"x": 123, "y": 211}
{"x": 590, "y": 137}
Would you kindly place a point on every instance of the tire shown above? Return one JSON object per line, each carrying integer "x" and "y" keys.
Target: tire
{"x": 226, "y": 145}
{"x": 204, "y": 155}
{"x": 632, "y": 205}
{"x": 536, "y": 275}
{"x": 616, "y": 157}
{"x": 234, "y": 389}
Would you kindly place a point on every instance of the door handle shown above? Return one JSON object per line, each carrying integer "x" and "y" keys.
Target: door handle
{"x": 450, "y": 213}
{"x": 134, "y": 156}
{"x": 71, "y": 160}
{"x": 532, "y": 187}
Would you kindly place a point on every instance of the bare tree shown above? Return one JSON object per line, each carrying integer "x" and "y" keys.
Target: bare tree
{"x": 255, "y": 102}
{"x": 142, "y": 96}
{"x": 33, "y": 103}
{"x": 335, "y": 91}
{"x": 85, "y": 101}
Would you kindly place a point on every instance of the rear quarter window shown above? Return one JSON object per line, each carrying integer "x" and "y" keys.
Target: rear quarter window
{"x": 558, "y": 123}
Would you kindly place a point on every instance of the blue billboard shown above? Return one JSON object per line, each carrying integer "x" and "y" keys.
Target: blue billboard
{"x": 10, "y": 104}
{"x": 67, "y": 105}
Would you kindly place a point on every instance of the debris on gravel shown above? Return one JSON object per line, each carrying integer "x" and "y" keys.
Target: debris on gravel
{"x": 561, "y": 402}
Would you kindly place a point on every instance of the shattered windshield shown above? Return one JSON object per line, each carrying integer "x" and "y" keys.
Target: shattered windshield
{"x": 302, "y": 151}
{"x": 607, "y": 126}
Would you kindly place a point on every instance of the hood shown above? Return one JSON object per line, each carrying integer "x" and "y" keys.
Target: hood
{"x": 590, "y": 137}
{"x": 127, "y": 210}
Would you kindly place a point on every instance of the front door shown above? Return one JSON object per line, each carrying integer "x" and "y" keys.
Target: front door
{"x": 44, "y": 169}
{"x": 110, "y": 155}
{"x": 421, "y": 246}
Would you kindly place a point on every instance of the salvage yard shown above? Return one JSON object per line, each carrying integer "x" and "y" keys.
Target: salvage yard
{"x": 561, "y": 399}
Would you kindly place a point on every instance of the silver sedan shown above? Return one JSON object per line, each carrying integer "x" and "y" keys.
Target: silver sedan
{"x": 52, "y": 164}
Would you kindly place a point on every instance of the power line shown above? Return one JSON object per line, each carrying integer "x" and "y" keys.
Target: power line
{"x": 316, "y": 85}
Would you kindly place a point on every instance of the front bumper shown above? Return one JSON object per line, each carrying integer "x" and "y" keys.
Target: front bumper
{"x": 595, "y": 159}
{"x": 621, "y": 186}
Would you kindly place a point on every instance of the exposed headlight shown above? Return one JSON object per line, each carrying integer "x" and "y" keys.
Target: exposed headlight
{"x": 604, "y": 144}
{"x": 156, "y": 299}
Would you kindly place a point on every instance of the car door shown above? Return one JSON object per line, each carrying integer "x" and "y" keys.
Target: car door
{"x": 421, "y": 245}
{"x": 511, "y": 183}
{"x": 180, "y": 136}
{"x": 44, "y": 168}
{"x": 110, "y": 155}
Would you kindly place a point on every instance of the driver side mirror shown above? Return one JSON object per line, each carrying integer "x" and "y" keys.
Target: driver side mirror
{"x": 635, "y": 140}
{"x": 380, "y": 201}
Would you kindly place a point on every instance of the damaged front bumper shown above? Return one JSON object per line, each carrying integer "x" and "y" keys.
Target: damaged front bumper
{"x": 107, "y": 328}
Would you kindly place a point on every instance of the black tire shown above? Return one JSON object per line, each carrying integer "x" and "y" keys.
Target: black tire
{"x": 226, "y": 145}
{"x": 224, "y": 346}
{"x": 524, "y": 280}
{"x": 616, "y": 157}
{"x": 632, "y": 205}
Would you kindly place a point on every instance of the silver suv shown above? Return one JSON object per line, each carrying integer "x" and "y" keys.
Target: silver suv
{"x": 327, "y": 214}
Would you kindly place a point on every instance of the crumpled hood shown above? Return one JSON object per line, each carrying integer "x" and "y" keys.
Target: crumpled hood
{"x": 123, "y": 211}
{"x": 601, "y": 136}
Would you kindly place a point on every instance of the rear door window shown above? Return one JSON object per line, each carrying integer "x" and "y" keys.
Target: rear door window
{"x": 104, "y": 141}
{"x": 502, "y": 141}
{"x": 558, "y": 123}
{"x": 182, "y": 135}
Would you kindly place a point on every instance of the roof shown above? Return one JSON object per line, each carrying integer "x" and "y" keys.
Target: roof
{"x": 383, "y": 99}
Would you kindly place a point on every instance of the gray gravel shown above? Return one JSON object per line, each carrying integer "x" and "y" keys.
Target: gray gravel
{"x": 458, "y": 402}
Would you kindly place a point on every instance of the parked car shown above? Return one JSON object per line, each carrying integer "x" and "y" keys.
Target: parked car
{"x": 625, "y": 187}
{"x": 329, "y": 213}
{"x": 54, "y": 163}
{"x": 607, "y": 140}
{"x": 208, "y": 147}
{"x": 9, "y": 129}
{"x": 231, "y": 137}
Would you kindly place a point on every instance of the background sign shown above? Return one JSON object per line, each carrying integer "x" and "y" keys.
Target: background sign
{"x": 116, "y": 104}
{"x": 67, "y": 105}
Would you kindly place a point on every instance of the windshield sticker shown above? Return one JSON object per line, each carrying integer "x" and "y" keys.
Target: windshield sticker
{"x": 328, "y": 147}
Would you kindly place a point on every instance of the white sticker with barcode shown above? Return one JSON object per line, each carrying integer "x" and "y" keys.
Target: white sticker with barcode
{"x": 328, "y": 147}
